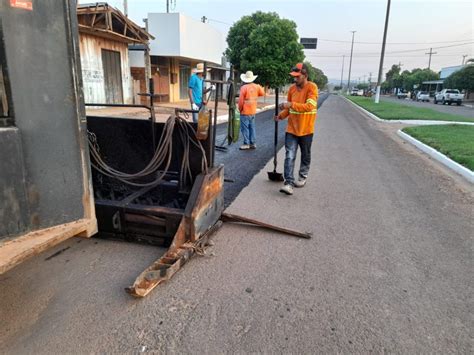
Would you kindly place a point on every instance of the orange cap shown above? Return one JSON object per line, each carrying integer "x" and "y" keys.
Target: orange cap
{"x": 299, "y": 69}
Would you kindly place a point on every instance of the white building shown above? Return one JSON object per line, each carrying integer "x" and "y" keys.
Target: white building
{"x": 180, "y": 43}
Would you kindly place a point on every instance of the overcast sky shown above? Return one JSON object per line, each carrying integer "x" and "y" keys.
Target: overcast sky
{"x": 414, "y": 27}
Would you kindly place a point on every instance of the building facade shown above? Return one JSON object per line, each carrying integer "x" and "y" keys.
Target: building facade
{"x": 181, "y": 43}
{"x": 104, "y": 36}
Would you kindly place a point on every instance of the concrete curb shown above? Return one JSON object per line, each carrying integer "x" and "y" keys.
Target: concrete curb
{"x": 225, "y": 118}
{"x": 409, "y": 122}
{"x": 443, "y": 159}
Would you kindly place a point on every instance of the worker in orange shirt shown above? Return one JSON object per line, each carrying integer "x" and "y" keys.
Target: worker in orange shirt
{"x": 300, "y": 109}
{"x": 249, "y": 94}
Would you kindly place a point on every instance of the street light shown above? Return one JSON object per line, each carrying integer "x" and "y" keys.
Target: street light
{"x": 379, "y": 79}
{"x": 350, "y": 64}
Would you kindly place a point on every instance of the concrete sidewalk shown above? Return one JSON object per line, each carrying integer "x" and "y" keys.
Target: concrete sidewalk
{"x": 389, "y": 268}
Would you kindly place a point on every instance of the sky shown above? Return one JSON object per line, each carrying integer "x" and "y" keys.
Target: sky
{"x": 414, "y": 27}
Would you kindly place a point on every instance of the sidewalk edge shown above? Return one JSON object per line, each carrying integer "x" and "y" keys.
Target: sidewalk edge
{"x": 225, "y": 118}
{"x": 440, "y": 157}
{"x": 409, "y": 122}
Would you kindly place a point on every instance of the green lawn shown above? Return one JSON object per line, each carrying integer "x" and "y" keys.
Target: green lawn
{"x": 455, "y": 141}
{"x": 394, "y": 111}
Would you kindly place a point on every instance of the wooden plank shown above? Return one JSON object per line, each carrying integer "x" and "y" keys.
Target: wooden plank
{"x": 17, "y": 250}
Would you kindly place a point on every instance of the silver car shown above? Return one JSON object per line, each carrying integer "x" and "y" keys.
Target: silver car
{"x": 423, "y": 96}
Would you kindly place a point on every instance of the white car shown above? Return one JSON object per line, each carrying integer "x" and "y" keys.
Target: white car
{"x": 423, "y": 96}
{"x": 448, "y": 96}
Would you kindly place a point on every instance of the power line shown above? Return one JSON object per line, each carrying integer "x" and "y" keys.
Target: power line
{"x": 376, "y": 56}
{"x": 415, "y": 50}
{"x": 394, "y": 43}
{"x": 225, "y": 23}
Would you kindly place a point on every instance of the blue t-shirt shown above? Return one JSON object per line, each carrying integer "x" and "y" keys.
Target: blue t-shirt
{"x": 195, "y": 84}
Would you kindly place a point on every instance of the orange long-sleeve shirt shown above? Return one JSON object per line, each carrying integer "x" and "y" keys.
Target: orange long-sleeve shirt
{"x": 249, "y": 94}
{"x": 302, "y": 113}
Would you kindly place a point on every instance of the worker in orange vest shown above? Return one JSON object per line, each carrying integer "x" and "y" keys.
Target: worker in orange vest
{"x": 300, "y": 109}
{"x": 249, "y": 94}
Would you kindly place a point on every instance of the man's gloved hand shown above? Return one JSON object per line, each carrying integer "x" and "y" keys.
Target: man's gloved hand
{"x": 213, "y": 87}
{"x": 195, "y": 107}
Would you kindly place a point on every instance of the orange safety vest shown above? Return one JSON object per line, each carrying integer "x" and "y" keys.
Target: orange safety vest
{"x": 302, "y": 113}
{"x": 249, "y": 94}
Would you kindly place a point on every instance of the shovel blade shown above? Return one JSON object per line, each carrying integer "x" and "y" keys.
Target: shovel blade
{"x": 274, "y": 176}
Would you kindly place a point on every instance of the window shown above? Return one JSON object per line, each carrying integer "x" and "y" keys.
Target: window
{"x": 184, "y": 74}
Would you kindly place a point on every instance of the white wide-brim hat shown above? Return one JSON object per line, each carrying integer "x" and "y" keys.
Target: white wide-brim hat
{"x": 248, "y": 77}
{"x": 199, "y": 68}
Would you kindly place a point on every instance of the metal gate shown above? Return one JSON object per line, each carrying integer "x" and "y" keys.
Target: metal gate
{"x": 112, "y": 77}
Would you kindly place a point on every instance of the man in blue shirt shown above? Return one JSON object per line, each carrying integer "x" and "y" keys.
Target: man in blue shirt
{"x": 195, "y": 90}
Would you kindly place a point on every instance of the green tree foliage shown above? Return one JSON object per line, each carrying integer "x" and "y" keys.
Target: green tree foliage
{"x": 392, "y": 77}
{"x": 362, "y": 86}
{"x": 407, "y": 79}
{"x": 462, "y": 79}
{"x": 417, "y": 76}
{"x": 316, "y": 76}
{"x": 265, "y": 44}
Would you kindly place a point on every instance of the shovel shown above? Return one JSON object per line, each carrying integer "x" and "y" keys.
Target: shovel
{"x": 273, "y": 175}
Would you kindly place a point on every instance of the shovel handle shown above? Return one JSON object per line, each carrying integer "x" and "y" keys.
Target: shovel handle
{"x": 276, "y": 130}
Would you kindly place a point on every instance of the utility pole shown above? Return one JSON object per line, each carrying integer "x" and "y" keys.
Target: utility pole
{"x": 379, "y": 78}
{"x": 350, "y": 63}
{"x": 167, "y": 6}
{"x": 125, "y": 7}
{"x": 430, "y": 53}
{"x": 463, "y": 58}
{"x": 342, "y": 70}
{"x": 147, "y": 61}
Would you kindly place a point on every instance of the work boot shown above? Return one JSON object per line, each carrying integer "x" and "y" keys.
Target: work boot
{"x": 287, "y": 189}
{"x": 244, "y": 147}
{"x": 300, "y": 182}
{"x": 253, "y": 146}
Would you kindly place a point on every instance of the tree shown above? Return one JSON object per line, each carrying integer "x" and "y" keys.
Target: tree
{"x": 462, "y": 79}
{"x": 265, "y": 44}
{"x": 392, "y": 77}
{"x": 362, "y": 86}
{"x": 337, "y": 88}
{"x": 316, "y": 75}
{"x": 417, "y": 76}
{"x": 239, "y": 34}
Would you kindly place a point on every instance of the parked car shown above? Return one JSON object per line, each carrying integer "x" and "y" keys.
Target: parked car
{"x": 355, "y": 92}
{"x": 423, "y": 96}
{"x": 448, "y": 96}
{"x": 402, "y": 95}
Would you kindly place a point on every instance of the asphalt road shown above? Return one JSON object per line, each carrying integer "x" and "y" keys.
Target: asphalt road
{"x": 241, "y": 166}
{"x": 388, "y": 270}
{"x": 453, "y": 109}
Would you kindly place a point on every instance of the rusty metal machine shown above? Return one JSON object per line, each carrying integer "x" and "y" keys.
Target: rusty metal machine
{"x": 174, "y": 199}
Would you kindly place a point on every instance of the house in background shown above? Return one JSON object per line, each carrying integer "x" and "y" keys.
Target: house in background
{"x": 433, "y": 86}
{"x": 181, "y": 43}
{"x": 104, "y": 36}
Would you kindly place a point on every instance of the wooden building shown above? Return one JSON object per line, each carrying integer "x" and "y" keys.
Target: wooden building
{"x": 104, "y": 36}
